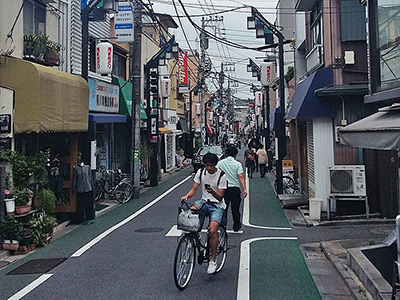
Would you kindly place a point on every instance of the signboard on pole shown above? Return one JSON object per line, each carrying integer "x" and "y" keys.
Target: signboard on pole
{"x": 266, "y": 74}
{"x": 183, "y": 72}
{"x": 124, "y": 23}
{"x": 258, "y": 98}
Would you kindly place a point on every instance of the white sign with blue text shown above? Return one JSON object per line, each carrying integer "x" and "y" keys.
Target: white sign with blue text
{"x": 124, "y": 23}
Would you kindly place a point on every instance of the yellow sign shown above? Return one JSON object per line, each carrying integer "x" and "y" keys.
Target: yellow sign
{"x": 287, "y": 165}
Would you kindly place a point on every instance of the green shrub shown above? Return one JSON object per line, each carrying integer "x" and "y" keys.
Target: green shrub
{"x": 47, "y": 201}
{"x": 11, "y": 229}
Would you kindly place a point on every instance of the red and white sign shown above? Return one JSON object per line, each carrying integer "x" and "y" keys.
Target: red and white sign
{"x": 258, "y": 98}
{"x": 266, "y": 74}
{"x": 104, "y": 58}
{"x": 251, "y": 104}
{"x": 165, "y": 86}
{"x": 258, "y": 110}
{"x": 183, "y": 72}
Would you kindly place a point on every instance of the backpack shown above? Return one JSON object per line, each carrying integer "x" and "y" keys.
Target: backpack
{"x": 203, "y": 170}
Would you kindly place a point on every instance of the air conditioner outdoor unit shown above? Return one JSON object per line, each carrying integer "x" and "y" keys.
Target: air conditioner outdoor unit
{"x": 347, "y": 181}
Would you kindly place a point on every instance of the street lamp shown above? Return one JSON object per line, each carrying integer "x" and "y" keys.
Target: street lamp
{"x": 269, "y": 30}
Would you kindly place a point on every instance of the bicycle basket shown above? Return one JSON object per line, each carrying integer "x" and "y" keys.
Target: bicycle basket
{"x": 187, "y": 220}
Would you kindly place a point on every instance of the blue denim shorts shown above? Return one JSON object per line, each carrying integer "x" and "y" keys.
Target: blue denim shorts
{"x": 215, "y": 212}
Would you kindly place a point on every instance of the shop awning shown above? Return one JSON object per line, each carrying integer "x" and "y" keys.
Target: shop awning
{"x": 378, "y": 131}
{"x": 107, "y": 118}
{"x": 46, "y": 100}
{"x": 163, "y": 130}
{"x": 183, "y": 125}
{"x": 305, "y": 104}
{"x": 125, "y": 98}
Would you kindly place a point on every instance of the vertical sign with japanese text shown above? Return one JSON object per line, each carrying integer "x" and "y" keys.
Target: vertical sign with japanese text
{"x": 183, "y": 72}
{"x": 124, "y": 23}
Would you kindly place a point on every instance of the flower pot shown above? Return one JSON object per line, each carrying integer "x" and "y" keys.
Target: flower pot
{"x": 23, "y": 209}
{"x": 10, "y": 205}
{"x": 12, "y": 246}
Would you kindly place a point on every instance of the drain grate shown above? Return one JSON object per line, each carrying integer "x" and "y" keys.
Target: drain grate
{"x": 37, "y": 266}
{"x": 149, "y": 229}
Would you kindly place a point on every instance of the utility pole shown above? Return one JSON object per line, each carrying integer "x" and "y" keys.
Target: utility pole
{"x": 136, "y": 89}
{"x": 203, "y": 47}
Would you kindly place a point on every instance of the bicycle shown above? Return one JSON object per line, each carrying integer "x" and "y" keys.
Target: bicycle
{"x": 115, "y": 184}
{"x": 290, "y": 185}
{"x": 185, "y": 255}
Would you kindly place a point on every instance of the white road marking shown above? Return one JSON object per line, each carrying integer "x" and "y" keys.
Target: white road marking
{"x": 97, "y": 239}
{"x": 246, "y": 210}
{"x": 174, "y": 231}
{"x": 243, "y": 291}
{"x": 30, "y": 287}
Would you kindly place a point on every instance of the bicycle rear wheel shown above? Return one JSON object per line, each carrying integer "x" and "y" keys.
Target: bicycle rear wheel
{"x": 124, "y": 191}
{"x": 289, "y": 186}
{"x": 184, "y": 262}
{"x": 98, "y": 191}
{"x": 222, "y": 248}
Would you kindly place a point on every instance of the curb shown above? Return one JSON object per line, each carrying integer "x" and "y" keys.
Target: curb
{"x": 344, "y": 273}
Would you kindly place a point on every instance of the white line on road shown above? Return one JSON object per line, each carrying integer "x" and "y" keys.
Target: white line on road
{"x": 246, "y": 211}
{"x": 30, "y": 287}
{"x": 123, "y": 222}
{"x": 243, "y": 291}
{"x": 174, "y": 231}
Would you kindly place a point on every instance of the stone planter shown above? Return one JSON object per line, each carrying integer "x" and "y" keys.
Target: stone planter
{"x": 23, "y": 209}
{"x": 10, "y": 205}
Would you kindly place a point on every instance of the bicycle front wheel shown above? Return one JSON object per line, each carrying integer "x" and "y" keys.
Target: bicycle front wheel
{"x": 184, "y": 262}
{"x": 124, "y": 191}
{"x": 289, "y": 186}
{"x": 222, "y": 248}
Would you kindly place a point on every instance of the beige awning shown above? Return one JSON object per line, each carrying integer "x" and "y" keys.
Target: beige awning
{"x": 46, "y": 99}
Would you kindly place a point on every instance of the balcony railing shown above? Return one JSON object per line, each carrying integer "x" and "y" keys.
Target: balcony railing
{"x": 39, "y": 49}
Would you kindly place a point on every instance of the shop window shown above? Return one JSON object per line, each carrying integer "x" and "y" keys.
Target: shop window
{"x": 389, "y": 43}
{"x": 34, "y": 18}
{"x": 119, "y": 65}
{"x": 316, "y": 26}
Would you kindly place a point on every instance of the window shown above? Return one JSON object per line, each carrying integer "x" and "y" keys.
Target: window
{"x": 119, "y": 65}
{"x": 34, "y": 18}
{"x": 316, "y": 26}
{"x": 389, "y": 43}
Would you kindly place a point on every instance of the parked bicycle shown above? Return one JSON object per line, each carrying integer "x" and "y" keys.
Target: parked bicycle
{"x": 115, "y": 184}
{"x": 185, "y": 255}
{"x": 290, "y": 184}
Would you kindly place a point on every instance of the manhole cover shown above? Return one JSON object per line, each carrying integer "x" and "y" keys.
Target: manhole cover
{"x": 149, "y": 229}
{"x": 383, "y": 231}
{"x": 37, "y": 266}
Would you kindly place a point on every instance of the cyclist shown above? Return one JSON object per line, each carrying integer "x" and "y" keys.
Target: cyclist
{"x": 213, "y": 185}
{"x": 234, "y": 172}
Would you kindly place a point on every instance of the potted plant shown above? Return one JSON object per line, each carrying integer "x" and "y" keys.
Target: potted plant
{"x": 37, "y": 227}
{"x": 9, "y": 200}
{"x": 46, "y": 201}
{"x": 23, "y": 201}
{"x": 11, "y": 231}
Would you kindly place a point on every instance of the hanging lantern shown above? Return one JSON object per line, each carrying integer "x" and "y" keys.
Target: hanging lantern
{"x": 258, "y": 109}
{"x": 165, "y": 86}
{"x": 198, "y": 109}
{"x": 104, "y": 58}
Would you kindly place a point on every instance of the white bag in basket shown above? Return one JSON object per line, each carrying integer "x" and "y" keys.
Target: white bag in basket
{"x": 187, "y": 220}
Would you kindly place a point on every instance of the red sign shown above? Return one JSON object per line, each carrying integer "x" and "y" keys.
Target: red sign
{"x": 183, "y": 72}
{"x": 251, "y": 104}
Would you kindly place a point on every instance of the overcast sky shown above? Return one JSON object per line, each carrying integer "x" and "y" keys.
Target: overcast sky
{"x": 233, "y": 28}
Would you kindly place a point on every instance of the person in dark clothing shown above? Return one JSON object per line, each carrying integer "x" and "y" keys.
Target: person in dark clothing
{"x": 249, "y": 161}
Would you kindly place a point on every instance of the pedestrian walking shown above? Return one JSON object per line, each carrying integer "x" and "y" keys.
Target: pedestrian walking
{"x": 262, "y": 160}
{"x": 250, "y": 161}
{"x": 233, "y": 170}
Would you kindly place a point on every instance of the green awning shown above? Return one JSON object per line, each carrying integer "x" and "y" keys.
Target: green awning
{"x": 125, "y": 98}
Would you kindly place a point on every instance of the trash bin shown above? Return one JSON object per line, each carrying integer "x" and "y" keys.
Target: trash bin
{"x": 315, "y": 208}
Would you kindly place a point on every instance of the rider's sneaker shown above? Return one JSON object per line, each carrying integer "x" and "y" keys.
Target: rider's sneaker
{"x": 212, "y": 267}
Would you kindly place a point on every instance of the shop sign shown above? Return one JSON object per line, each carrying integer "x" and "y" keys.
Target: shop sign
{"x": 165, "y": 86}
{"x": 251, "y": 104}
{"x": 258, "y": 98}
{"x": 287, "y": 165}
{"x": 103, "y": 97}
{"x": 183, "y": 72}
{"x": 124, "y": 23}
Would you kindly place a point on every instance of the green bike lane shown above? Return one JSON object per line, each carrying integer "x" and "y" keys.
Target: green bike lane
{"x": 71, "y": 243}
{"x": 276, "y": 268}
